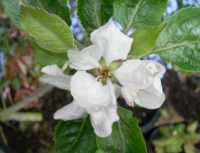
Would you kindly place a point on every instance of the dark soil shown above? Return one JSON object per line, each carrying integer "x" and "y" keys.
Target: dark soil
{"x": 147, "y": 118}
{"x": 183, "y": 93}
{"x": 38, "y": 137}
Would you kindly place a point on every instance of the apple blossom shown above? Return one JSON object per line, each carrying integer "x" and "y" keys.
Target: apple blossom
{"x": 102, "y": 69}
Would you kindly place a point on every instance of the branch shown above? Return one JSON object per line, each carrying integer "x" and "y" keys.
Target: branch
{"x": 42, "y": 90}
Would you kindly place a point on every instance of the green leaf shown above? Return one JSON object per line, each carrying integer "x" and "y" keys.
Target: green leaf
{"x": 75, "y": 137}
{"x": 58, "y": 7}
{"x": 190, "y": 148}
{"x": 126, "y": 136}
{"x": 44, "y": 57}
{"x": 132, "y": 14}
{"x": 179, "y": 42}
{"x": 147, "y": 33}
{"x": 99, "y": 151}
{"x": 48, "y": 30}
{"x": 171, "y": 144}
{"x": 94, "y": 13}
{"x": 78, "y": 136}
{"x": 192, "y": 127}
{"x": 12, "y": 9}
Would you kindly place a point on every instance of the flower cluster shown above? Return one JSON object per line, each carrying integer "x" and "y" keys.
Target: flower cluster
{"x": 103, "y": 73}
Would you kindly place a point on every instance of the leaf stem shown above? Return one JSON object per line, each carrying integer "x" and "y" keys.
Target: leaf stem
{"x": 122, "y": 138}
{"x": 96, "y": 14}
{"x": 80, "y": 133}
{"x": 133, "y": 16}
{"x": 158, "y": 50}
{"x": 5, "y": 141}
{"x": 29, "y": 116}
{"x": 26, "y": 101}
{"x": 175, "y": 46}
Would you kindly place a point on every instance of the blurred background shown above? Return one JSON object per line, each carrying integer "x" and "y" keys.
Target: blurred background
{"x": 172, "y": 129}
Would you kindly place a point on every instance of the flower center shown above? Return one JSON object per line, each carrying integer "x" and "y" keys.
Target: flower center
{"x": 104, "y": 74}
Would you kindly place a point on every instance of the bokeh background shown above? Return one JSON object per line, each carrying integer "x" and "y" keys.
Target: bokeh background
{"x": 31, "y": 129}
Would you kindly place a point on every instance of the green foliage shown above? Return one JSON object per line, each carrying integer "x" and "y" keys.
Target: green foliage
{"x": 145, "y": 17}
{"x": 99, "y": 151}
{"x": 74, "y": 137}
{"x": 48, "y": 30}
{"x": 78, "y": 136}
{"x": 131, "y": 14}
{"x": 190, "y": 149}
{"x": 145, "y": 39}
{"x": 179, "y": 41}
{"x": 44, "y": 57}
{"x": 126, "y": 136}
{"x": 58, "y": 7}
{"x": 176, "y": 40}
{"x": 12, "y": 9}
{"x": 94, "y": 13}
{"x": 175, "y": 138}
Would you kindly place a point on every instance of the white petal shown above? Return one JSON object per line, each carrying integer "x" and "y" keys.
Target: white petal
{"x": 93, "y": 51}
{"x": 70, "y": 112}
{"x": 87, "y": 91}
{"x": 117, "y": 90}
{"x": 52, "y": 70}
{"x": 59, "y": 81}
{"x": 152, "y": 97}
{"x": 86, "y": 59}
{"x": 132, "y": 74}
{"x": 103, "y": 120}
{"x": 114, "y": 44}
{"x": 55, "y": 76}
{"x": 127, "y": 96}
{"x": 112, "y": 93}
{"x": 154, "y": 68}
{"x": 138, "y": 74}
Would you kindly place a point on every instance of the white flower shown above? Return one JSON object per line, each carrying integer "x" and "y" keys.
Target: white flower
{"x": 141, "y": 83}
{"x": 92, "y": 85}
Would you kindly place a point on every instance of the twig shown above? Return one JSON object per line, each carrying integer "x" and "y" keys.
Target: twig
{"x": 5, "y": 141}
{"x": 42, "y": 90}
{"x": 133, "y": 16}
{"x": 29, "y": 116}
{"x": 169, "y": 116}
